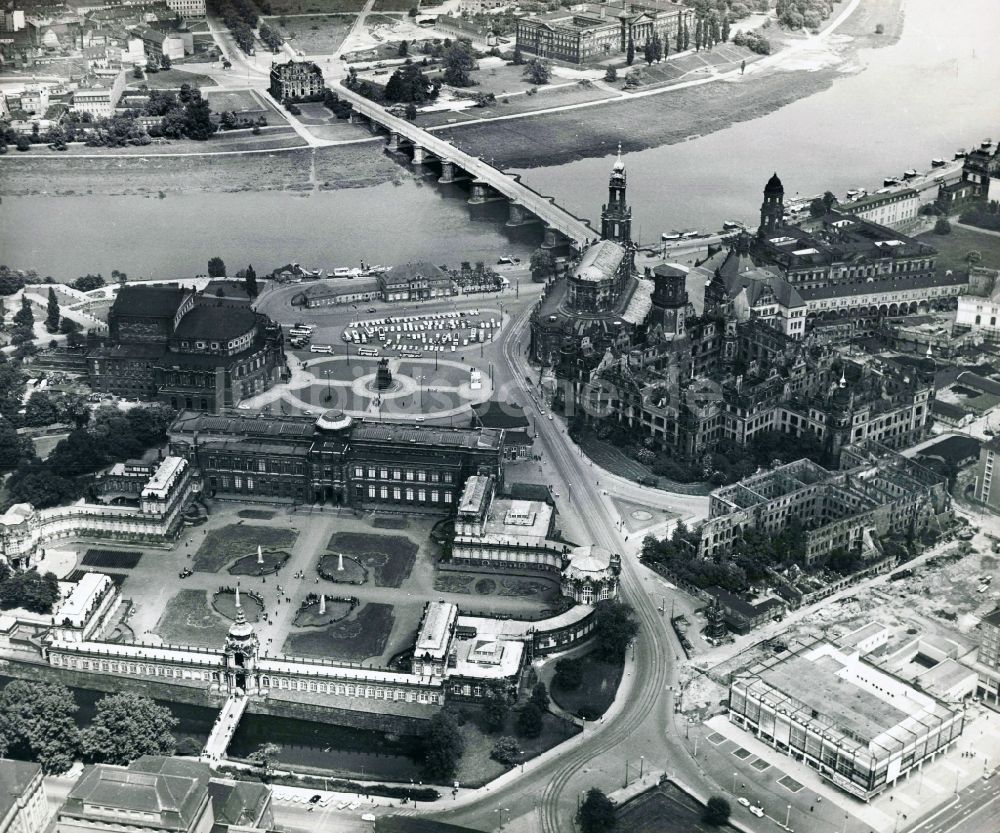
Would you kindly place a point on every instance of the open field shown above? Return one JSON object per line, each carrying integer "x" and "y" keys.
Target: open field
{"x": 389, "y": 558}
{"x": 548, "y": 96}
{"x": 355, "y": 639}
{"x": 189, "y": 620}
{"x": 239, "y": 101}
{"x": 291, "y": 7}
{"x": 349, "y": 166}
{"x": 223, "y": 545}
{"x": 171, "y": 79}
{"x": 952, "y": 248}
{"x": 597, "y": 691}
{"x": 393, "y": 5}
{"x": 316, "y": 35}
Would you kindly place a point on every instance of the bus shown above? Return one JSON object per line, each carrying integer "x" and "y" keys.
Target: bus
{"x": 367, "y": 351}
{"x": 321, "y": 348}
{"x": 301, "y": 332}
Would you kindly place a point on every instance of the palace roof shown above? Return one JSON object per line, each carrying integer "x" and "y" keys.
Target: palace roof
{"x": 217, "y": 323}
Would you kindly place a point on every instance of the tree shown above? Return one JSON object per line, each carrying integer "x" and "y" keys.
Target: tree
{"x": 88, "y": 282}
{"x": 630, "y": 51}
{"x": 816, "y": 207}
{"x": 611, "y": 75}
{"x": 411, "y": 112}
{"x": 657, "y": 48}
{"x": 404, "y": 49}
{"x": 506, "y": 750}
{"x": 569, "y": 674}
{"x": 942, "y": 226}
{"x": 13, "y": 448}
{"x": 615, "y": 626}
{"x": 537, "y": 71}
{"x": 24, "y": 317}
{"x": 250, "y": 282}
{"x": 596, "y": 813}
{"x": 137, "y": 72}
{"x": 518, "y": 58}
{"x": 829, "y": 200}
{"x": 408, "y": 83}
{"x": 679, "y": 37}
{"x": 540, "y": 697}
{"x": 127, "y": 726}
{"x": 717, "y": 811}
{"x": 698, "y": 34}
{"x": 973, "y": 257}
{"x": 52, "y": 312}
{"x": 198, "y": 124}
{"x": 37, "y": 724}
{"x": 725, "y": 28}
{"x": 23, "y": 143}
{"x": 529, "y": 721}
{"x": 265, "y": 756}
{"x": 542, "y": 264}
{"x": 119, "y": 277}
{"x": 216, "y": 268}
{"x": 458, "y": 62}
{"x": 443, "y": 747}
{"x": 495, "y": 714}
{"x": 165, "y": 62}
{"x": 648, "y": 53}
{"x": 30, "y": 590}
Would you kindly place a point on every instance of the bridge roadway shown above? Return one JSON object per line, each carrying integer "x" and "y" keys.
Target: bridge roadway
{"x": 576, "y": 230}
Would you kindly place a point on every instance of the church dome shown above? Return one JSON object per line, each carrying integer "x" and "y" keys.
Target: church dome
{"x": 333, "y": 420}
{"x": 774, "y": 185}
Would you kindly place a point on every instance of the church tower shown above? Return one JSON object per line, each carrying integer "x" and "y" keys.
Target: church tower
{"x": 240, "y": 656}
{"x": 670, "y": 298}
{"x": 772, "y": 211}
{"x": 616, "y": 216}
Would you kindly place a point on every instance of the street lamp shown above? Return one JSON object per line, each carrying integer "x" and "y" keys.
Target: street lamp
{"x": 642, "y": 761}
{"x": 501, "y": 811}
{"x": 788, "y": 815}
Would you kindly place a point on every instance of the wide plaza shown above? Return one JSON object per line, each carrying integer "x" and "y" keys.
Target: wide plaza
{"x": 375, "y": 571}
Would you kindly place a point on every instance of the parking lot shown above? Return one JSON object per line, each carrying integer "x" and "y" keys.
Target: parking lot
{"x": 413, "y": 335}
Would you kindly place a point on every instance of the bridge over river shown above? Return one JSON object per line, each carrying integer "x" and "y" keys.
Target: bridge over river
{"x": 488, "y": 183}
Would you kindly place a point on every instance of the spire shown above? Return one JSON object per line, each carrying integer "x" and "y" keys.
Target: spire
{"x": 619, "y": 162}
{"x": 240, "y": 618}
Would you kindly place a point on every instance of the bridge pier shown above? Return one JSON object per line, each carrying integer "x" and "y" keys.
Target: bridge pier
{"x": 420, "y": 154}
{"x": 447, "y": 173}
{"x": 373, "y": 126}
{"x": 552, "y": 238}
{"x": 393, "y": 143}
{"x": 481, "y": 192}
{"x": 518, "y": 215}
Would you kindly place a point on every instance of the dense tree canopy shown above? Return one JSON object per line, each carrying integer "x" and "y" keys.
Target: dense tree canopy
{"x": 409, "y": 84}
{"x": 615, "y": 626}
{"x": 37, "y": 724}
{"x": 459, "y": 61}
{"x": 529, "y": 720}
{"x": 29, "y": 589}
{"x": 597, "y": 813}
{"x": 443, "y": 747}
{"x": 216, "y": 267}
{"x": 126, "y": 727}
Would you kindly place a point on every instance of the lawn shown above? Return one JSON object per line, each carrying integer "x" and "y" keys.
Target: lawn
{"x": 477, "y": 767}
{"x": 354, "y": 640}
{"x": 229, "y": 542}
{"x": 319, "y": 35}
{"x": 171, "y": 79}
{"x": 310, "y": 616}
{"x": 353, "y": 572}
{"x": 239, "y": 101}
{"x": 480, "y": 585}
{"x": 597, "y": 692}
{"x": 225, "y": 603}
{"x": 952, "y": 248}
{"x": 393, "y": 5}
{"x": 389, "y": 557}
{"x": 280, "y": 7}
{"x": 256, "y": 514}
{"x": 188, "y": 620}
{"x": 270, "y": 562}
{"x": 117, "y": 559}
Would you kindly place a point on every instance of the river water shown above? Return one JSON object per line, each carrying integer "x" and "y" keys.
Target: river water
{"x": 931, "y": 92}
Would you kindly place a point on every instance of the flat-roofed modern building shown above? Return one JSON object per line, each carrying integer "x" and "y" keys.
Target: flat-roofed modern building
{"x": 859, "y": 727}
{"x": 23, "y": 807}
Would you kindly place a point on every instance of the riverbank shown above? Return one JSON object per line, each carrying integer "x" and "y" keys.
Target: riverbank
{"x": 346, "y": 166}
{"x": 530, "y": 142}
{"x": 673, "y": 117}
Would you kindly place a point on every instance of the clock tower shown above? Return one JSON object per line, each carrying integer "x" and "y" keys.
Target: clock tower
{"x": 616, "y": 216}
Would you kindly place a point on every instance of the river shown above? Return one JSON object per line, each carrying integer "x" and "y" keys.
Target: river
{"x": 931, "y": 92}
{"x": 894, "y": 108}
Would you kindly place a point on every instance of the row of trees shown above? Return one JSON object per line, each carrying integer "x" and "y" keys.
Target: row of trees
{"x": 983, "y": 215}
{"x": 270, "y": 37}
{"x": 38, "y": 723}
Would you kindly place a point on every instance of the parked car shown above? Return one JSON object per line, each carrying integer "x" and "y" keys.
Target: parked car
{"x": 757, "y": 811}
{"x": 187, "y": 571}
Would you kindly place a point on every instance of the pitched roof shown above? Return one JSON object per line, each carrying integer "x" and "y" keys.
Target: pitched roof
{"x": 217, "y": 322}
{"x": 15, "y": 777}
{"x": 148, "y": 301}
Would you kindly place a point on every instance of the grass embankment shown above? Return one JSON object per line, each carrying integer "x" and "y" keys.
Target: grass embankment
{"x": 596, "y": 693}
{"x": 348, "y": 166}
{"x": 952, "y": 248}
